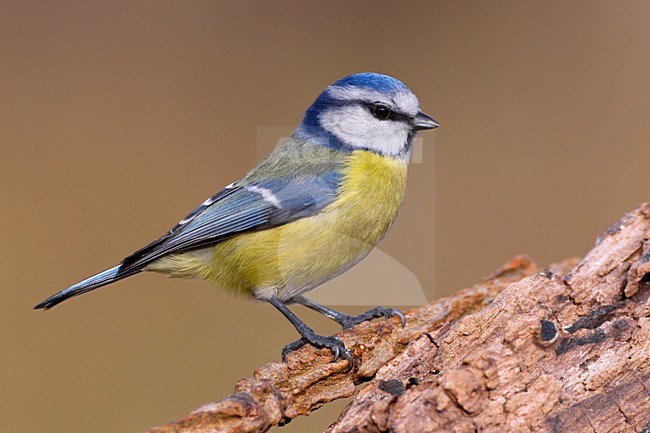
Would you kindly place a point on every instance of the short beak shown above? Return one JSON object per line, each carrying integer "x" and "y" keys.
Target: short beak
{"x": 422, "y": 121}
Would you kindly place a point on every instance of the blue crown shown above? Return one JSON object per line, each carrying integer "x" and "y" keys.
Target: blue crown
{"x": 374, "y": 81}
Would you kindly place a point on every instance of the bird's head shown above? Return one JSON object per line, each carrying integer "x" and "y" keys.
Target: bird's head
{"x": 366, "y": 111}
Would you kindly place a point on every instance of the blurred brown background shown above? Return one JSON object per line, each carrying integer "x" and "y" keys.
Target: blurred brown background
{"x": 117, "y": 118}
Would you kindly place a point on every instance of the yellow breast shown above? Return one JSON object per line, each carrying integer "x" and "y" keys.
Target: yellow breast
{"x": 290, "y": 259}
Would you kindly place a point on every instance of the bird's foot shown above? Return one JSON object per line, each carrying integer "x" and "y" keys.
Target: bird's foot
{"x": 335, "y": 344}
{"x": 295, "y": 345}
{"x": 348, "y": 321}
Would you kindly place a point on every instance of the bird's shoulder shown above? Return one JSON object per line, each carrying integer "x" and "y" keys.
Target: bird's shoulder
{"x": 296, "y": 158}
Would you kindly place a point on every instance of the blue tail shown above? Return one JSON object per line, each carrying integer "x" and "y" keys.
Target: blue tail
{"x": 96, "y": 281}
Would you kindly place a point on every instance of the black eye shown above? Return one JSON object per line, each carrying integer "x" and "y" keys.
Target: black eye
{"x": 380, "y": 111}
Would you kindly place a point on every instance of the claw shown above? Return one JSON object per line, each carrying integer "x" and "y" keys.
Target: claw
{"x": 334, "y": 344}
{"x": 339, "y": 351}
{"x": 291, "y": 347}
{"x": 399, "y": 314}
{"x": 336, "y": 352}
{"x": 348, "y": 356}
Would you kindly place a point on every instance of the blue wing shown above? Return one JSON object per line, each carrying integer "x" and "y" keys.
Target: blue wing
{"x": 241, "y": 208}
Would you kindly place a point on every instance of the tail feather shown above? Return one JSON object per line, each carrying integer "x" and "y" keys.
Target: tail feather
{"x": 96, "y": 281}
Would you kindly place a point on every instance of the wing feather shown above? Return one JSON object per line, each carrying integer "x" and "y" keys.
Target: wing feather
{"x": 237, "y": 209}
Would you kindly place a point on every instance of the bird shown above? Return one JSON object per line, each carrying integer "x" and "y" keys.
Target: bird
{"x": 309, "y": 211}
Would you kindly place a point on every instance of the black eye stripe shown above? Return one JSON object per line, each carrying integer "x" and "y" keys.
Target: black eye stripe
{"x": 395, "y": 115}
{"x": 390, "y": 114}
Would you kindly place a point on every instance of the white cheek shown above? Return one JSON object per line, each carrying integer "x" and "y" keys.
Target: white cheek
{"x": 356, "y": 127}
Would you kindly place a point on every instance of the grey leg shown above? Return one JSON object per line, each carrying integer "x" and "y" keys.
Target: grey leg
{"x": 347, "y": 321}
{"x": 309, "y": 336}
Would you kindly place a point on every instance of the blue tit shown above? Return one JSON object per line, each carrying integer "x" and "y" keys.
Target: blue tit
{"x": 311, "y": 210}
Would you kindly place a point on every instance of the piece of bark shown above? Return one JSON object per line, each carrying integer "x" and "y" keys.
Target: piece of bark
{"x": 566, "y": 349}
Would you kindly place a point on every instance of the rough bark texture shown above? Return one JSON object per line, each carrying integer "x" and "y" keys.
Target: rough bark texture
{"x": 564, "y": 349}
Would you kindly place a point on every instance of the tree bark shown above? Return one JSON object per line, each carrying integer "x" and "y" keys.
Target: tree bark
{"x": 563, "y": 349}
